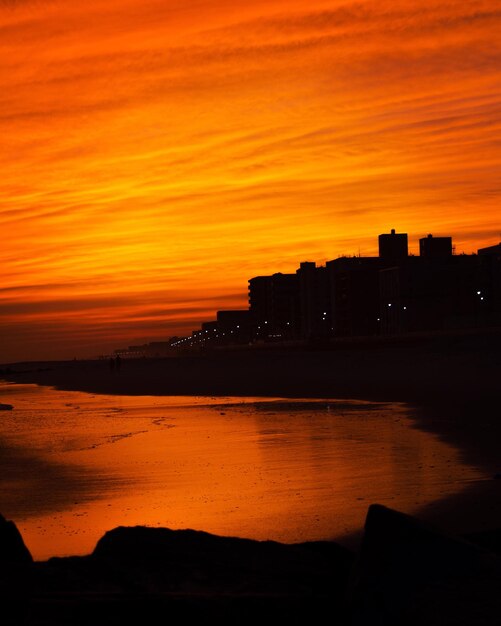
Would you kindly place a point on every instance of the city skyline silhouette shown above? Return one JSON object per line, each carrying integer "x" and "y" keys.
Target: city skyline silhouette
{"x": 157, "y": 155}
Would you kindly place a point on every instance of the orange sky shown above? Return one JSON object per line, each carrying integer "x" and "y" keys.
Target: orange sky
{"x": 155, "y": 154}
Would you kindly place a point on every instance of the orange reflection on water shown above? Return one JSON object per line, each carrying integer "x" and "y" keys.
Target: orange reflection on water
{"x": 265, "y": 469}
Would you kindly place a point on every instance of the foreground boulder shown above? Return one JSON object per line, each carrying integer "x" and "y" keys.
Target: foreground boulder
{"x": 189, "y": 559}
{"x": 407, "y": 573}
{"x": 16, "y": 574}
{"x": 12, "y": 548}
{"x": 410, "y": 573}
{"x": 138, "y": 573}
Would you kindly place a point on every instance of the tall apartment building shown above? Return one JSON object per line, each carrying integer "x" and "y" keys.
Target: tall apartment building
{"x": 314, "y": 301}
{"x": 274, "y": 306}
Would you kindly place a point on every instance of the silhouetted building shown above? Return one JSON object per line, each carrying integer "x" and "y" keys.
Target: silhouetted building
{"x": 393, "y": 248}
{"x": 210, "y": 328}
{"x": 260, "y": 305}
{"x": 362, "y": 296}
{"x": 197, "y": 339}
{"x": 431, "y": 293}
{"x": 234, "y": 326}
{"x": 314, "y": 301}
{"x": 490, "y": 289}
{"x": 274, "y": 306}
{"x": 494, "y": 251}
{"x": 153, "y": 349}
{"x": 435, "y": 247}
{"x": 354, "y": 288}
{"x": 354, "y": 299}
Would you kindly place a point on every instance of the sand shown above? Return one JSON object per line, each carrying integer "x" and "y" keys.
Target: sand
{"x": 452, "y": 381}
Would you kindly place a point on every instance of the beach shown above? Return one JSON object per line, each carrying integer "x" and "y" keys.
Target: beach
{"x": 451, "y": 382}
{"x": 426, "y": 576}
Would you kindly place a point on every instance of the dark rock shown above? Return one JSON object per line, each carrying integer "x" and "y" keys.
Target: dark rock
{"x": 488, "y": 539}
{"x": 160, "y": 558}
{"x": 134, "y": 574}
{"x": 411, "y": 573}
{"x": 16, "y": 574}
{"x": 12, "y": 548}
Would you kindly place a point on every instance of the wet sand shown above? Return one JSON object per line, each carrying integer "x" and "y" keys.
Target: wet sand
{"x": 453, "y": 382}
{"x": 79, "y": 464}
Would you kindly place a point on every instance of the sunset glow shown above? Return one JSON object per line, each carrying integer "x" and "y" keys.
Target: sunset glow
{"x": 155, "y": 154}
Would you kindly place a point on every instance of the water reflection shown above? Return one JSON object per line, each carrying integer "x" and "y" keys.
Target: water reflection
{"x": 74, "y": 465}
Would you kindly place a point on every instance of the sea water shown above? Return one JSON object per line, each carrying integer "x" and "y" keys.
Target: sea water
{"x": 74, "y": 465}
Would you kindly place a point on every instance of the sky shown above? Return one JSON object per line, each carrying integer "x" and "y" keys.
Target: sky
{"x": 156, "y": 154}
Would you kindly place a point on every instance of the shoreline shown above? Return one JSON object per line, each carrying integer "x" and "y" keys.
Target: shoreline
{"x": 451, "y": 385}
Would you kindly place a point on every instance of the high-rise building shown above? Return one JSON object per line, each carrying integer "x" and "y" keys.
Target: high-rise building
{"x": 354, "y": 295}
{"x": 393, "y": 248}
{"x": 490, "y": 289}
{"x": 431, "y": 293}
{"x": 432, "y": 247}
{"x": 314, "y": 301}
{"x": 274, "y": 306}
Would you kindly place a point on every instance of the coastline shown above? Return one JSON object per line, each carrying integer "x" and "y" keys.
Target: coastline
{"x": 451, "y": 383}
{"x": 453, "y": 393}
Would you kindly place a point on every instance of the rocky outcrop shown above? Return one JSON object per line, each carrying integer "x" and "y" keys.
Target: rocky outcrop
{"x": 407, "y": 572}
{"x": 137, "y": 573}
{"x": 12, "y": 548}
{"x": 186, "y": 559}
{"x": 16, "y": 575}
{"x": 411, "y": 573}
